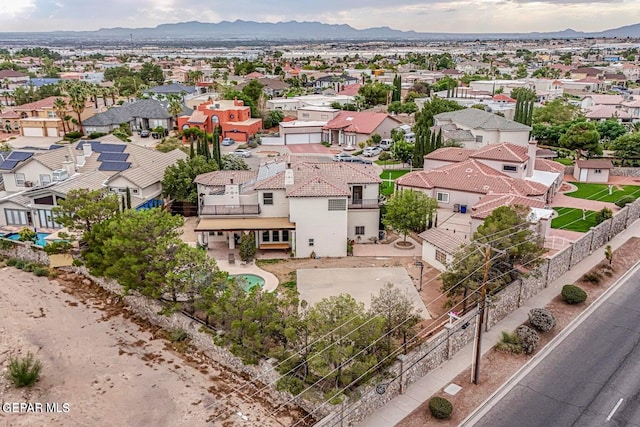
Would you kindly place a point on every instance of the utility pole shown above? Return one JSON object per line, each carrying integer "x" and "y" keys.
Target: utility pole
{"x": 479, "y": 323}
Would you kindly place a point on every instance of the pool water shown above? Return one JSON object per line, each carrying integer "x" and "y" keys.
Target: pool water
{"x": 39, "y": 238}
{"x": 250, "y": 281}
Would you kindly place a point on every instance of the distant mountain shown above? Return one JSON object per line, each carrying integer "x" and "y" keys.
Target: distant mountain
{"x": 302, "y": 31}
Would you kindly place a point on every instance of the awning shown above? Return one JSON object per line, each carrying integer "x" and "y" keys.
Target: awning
{"x": 230, "y": 224}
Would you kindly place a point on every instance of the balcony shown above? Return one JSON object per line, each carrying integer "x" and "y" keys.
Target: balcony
{"x": 364, "y": 204}
{"x": 230, "y": 210}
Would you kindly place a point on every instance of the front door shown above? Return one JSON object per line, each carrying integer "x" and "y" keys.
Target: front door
{"x": 357, "y": 194}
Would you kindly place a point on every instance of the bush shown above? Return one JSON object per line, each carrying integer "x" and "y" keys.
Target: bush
{"x": 25, "y": 371}
{"x": 6, "y": 244}
{"x": 592, "y": 277}
{"x": 542, "y": 319}
{"x": 624, "y": 200}
{"x": 326, "y": 144}
{"x": 529, "y": 338}
{"x": 29, "y": 267}
{"x": 20, "y": 264}
{"x": 178, "y": 335}
{"x": 59, "y": 247}
{"x": 291, "y": 384}
{"x": 253, "y": 144}
{"x": 72, "y": 136}
{"x": 602, "y": 215}
{"x": 440, "y": 408}
{"x": 384, "y": 156}
{"x": 96, "y": 135}
{"x": 41, "y": 271}
{"x": 11, "y": 262}
{"x": 243, "y": 146}
{"x": 509, "y": 343}
{"x": 572, "y": 294}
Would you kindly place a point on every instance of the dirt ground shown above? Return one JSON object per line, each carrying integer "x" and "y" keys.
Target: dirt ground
{"x": 110, "y": 367}
{"x": 497, "y": 367}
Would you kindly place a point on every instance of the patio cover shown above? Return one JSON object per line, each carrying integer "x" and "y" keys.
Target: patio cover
{"x": 230, "y": 224}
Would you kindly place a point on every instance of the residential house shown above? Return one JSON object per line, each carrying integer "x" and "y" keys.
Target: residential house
{"x": 10, "y": 121}
{"x": 592, "y": 170}
{"x": 231, "y": 115}
{"x": 474, "y": 128}
{"x": 271, "y": 87}
{"x": 335, "y": 82}
{"x": 166, "y": 91}
{"x": 295, "y": 103}
{"x": 311, "y": 208}
{"x": 10, "y": 79}
{"x": 39, "y": 118}
{"x": 141, "y": 114}
{"x": 349, "y": 128}
{"x": 33, "y": 182}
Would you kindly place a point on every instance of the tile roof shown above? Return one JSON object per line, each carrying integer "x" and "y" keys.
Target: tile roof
{"x": 221, "y": 178}
{"x": 548, "y": 166}
{"x": 450, "y": 154}
{"x": 172, "y": 88}
{"x": 503, "y": 152}
{"x": 441, "y": 239}
{"x": 606, "y": 99}
{"x": 363, "y": 122}
{"x": 94, "y": 180}
{"x": 501, "y": 97}
{"x": 318, "y": 186}
{"x": 471, "y": 176}
{"x": 198, "y": 117}
{"x": 478, "y": 119}
{"x": 38, "y": 105}
{"x": 594, "y": 164}
{"x": 606, "y": 111}
{"x": 487, "y": 204}
{"x": 143, "y": 108}
{"x": 351, "y": 90}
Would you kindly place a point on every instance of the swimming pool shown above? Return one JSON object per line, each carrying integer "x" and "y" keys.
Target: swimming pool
{"x": 249, "y": 281}
{"x": 39, "y": 238}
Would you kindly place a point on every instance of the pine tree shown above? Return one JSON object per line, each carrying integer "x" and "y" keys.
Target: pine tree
{"x": 217, "y": 155}
{"x": 191, "y": 152}
{"x": 439, "y": 140}
{"x": 128, "y": 198}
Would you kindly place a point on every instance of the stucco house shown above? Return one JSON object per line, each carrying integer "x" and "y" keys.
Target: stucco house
{"x": 593, "y": 170}
{"x": 39, "y": 118}
{"x": 349, "y": 128}
{"x": 439, "y": 247}
{"x": 474, "y": 128}
{"x": 141, "y": 114}
{"x": 231, "y": 115}
{"x": 310, "y": 208}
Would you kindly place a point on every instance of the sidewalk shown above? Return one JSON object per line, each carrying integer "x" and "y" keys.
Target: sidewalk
{"x": 418, "y": 392}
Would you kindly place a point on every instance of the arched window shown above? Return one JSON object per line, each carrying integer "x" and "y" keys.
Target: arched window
{"x": 215, "y": 120}
{"x": 185, "y": 126}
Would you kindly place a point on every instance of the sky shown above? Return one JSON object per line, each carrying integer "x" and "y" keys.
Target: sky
{"x": 459, "y": 16}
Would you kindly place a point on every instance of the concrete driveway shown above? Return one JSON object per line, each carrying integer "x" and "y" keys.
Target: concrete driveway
{"x": 314, "y": 284}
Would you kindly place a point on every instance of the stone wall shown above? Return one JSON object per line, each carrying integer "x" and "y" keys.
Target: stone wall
{"x": 26, "y": 251}
{"x": 624, "y": 171}
{"x": 580, "y": 249}
{"x": 600, "y": 234}
{"x": 559, "y": 264}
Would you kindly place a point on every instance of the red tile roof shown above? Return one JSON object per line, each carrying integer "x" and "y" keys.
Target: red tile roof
{"x": 350, "y": 90}
{"x": 38, "y": 105}
{"x": 490, "y": 202}
{"x": 545, "y": 165}
{"x": 450, "y": 154}
{"x": 503, "y": 152}
{"x": 471, "y": 176}
{"x": 7, "y": 74}
{"x": 501, "y": 97}
{"x": 362, "y": 122}
{"x": 594, "y": 164}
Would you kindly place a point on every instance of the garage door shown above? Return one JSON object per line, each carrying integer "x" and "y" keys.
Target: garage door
{"x": 305, "y": 138}
{"x": 33, "y": 132}
{"x": 52, "y": 132}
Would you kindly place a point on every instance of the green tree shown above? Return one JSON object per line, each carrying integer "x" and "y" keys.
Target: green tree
{"x": 610, "y": 129}
{"x": 83, "y": 208}
{"x": 178, "y": 179}
{"x": 374, "y": 93}
{"x": 402, "y": 151}
{"x": 273, "y": 118}
{"x": 397, "y": 89}
{"x": 627, "y": 146}
{"x": 407, "y": 210}
{"x": 513, "y": 242}
{"x": 234, "y": 163}
{"x": 78, "y": 92}
{"x": 398, "y": 311}
{"x": 582, "y": 136}
{"x": 555, "y": 112}
{"x": 191, "y": 272}
{"x": 60, "y": 110}
{"x": 151, "y": 74}
{"x": 248, "y": 247}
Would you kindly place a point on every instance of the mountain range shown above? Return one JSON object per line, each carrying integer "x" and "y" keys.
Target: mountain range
{"x": 302, "y": 31}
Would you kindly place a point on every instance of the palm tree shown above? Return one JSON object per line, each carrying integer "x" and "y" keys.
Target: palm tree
{"x": 60, "y": 108}
{"x": 78, "y": 95}
{"x": 175, "y": 108}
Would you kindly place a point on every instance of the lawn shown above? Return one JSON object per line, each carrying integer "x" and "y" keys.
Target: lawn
{"x": 571, "y": 219}
{"x": 388, "y": 176}
{"x": 566, "y": 162}
{"x": 601, "y": 192}
{"x": 386, "y": 162}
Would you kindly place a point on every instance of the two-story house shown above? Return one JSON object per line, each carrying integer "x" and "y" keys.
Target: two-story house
{"x": 307, "y": 207}
{"x": 39, "y": 118}
{"x": 231, "y": 115}
{"x": 474, "y": 128}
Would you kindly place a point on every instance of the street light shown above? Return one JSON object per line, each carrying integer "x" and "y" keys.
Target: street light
{"x": 421, "y": 265}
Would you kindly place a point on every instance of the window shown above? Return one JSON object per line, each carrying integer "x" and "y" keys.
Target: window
{"x": 134, "y": 191}
{"x": 359, "y": 230}
{"x": 442, "y": 197}
{"x": 47, "y": 219}
{"x": 285, "y": 235}
{"x": 51, "y": 114}
{"x": 441, "y": 257}
{"x": 305, "y": 115}
{"x": 509, "y": 168}
{"x": 311, "y": 242}
{"x": 597, "y": 171}
{"x": 266, "y": 236}
{"x": 19, "y": 179}
{"x": 267, "y": 198}
{"x": 324, "y": 117}
{"x": 16, "y": 217}
{"x": 275, "y": 236}
{"x": 337, "y": 205}
{"x": 45, "y": 179}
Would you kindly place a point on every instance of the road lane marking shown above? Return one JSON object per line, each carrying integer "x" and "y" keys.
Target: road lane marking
{"x": 615, "y": 408}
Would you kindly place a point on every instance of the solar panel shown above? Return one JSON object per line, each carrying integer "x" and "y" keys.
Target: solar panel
{"x": 113, "y": 157}
{"x": 114, "y": 166}
{"x": 109, "y": 148}
{"x": 19, "y": 156}
{"x": 7, "y": 165}
{"x": 54, "y": 147}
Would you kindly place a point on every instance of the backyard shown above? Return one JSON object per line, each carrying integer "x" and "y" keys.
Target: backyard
{"x": 388, "y": 177}
{"x": 600, "y": 192}
{"x": 572, "y": 219}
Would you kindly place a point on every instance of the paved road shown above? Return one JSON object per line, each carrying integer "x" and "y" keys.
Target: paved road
{"x": 591, "y": 379}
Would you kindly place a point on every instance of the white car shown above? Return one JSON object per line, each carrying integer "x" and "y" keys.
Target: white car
{"x": 371, "y": 151}
{"x": 241, "y": 152}
{"x": 342, "y": 157}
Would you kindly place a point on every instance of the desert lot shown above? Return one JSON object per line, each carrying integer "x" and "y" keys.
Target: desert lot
{"x": 110, "y": 368}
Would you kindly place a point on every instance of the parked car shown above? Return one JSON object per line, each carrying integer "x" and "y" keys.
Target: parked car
{"x": 342, "y": 157}
{"x": 242, "y": 152}
{"x": 228, "y": 141}
{"x": 371, "y": 151}
{"x": 144, "y": 133}
{"x": 360, "y": 160}
{"x": 386, "y": 144}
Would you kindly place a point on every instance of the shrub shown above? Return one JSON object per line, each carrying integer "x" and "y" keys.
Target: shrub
{"x": 41, "y": 271}
{"x": 11, "y": 262}
{"x": 542, "y": 319}
{"x": 440, "y": 408}
{"x": 529, "y": 338}
{"x": 243, "y": 146}
{"x": 572, "y": 294}
{"x": 291, "y": 384}
{"x": 27, "y": 235}
{"x": 25, "y": 371}
{"x": 253, "y": 144}
{"x": 20, "y": 264}
{"x": 60, "y": 247}
{"x": 72, "y": 136}
{"x": 602, "y": 215}
{"x": 77, "y": 262}
{"x": 509, "y": 343}
{"x": 178, "y": 335}
{"x": 29, "y": 267}
{"x": 96, "y": 135}
{"x": 384, "y": 156}
{"x": 624, "y": 201}
{"x": 592, "y": 277}
{"x": 326, "y": 144}
{"x": 6, "y": 244}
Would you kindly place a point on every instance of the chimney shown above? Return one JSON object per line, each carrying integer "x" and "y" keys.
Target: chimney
{"x": 288, "y": 175}
{"x": 531, "y": 152}
{"x": 87, "y": 149}
{"x": 69, "y": 166}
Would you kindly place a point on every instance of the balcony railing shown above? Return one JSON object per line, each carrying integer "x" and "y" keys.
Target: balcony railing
{"x": 364, "y": 204}
{"x": 230, "y": 210}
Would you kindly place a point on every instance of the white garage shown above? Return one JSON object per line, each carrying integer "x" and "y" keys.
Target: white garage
{"x": 32, "y": 131}
{"x": 304, "y": 138}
